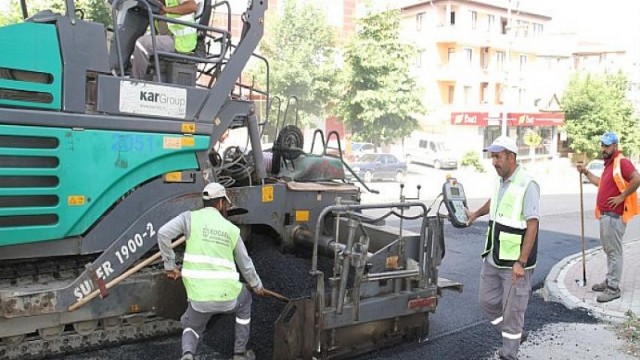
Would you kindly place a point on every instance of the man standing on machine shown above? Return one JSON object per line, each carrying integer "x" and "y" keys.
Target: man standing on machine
{"x": 511, "y": 246}
{"x": 180, "y": 38}
{"x": 616, "y": 204}
{"x": 213, "y": 249}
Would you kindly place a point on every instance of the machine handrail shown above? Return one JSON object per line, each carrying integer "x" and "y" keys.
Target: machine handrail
{"x": 353, "y": 208}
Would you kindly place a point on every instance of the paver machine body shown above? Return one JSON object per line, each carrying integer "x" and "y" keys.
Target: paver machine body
{"x": 93, "y": 163}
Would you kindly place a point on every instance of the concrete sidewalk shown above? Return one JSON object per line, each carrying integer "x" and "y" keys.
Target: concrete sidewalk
{"x": 561, "y": 285}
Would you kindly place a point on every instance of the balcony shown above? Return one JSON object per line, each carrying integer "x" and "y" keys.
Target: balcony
{"x": 481, "y": 38}
{"x": 469, "y": 37}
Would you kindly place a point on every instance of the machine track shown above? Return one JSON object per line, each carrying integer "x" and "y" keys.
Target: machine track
{"x": 78, "y": 336}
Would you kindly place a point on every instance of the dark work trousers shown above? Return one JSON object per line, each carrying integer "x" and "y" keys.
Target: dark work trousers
{"x": 194, "y": 323}
{"x": 505, "y": 303}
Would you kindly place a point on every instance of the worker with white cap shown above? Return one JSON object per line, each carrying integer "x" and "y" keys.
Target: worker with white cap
{"x": 511, "y": 246}
{"x": 213, "y": 249}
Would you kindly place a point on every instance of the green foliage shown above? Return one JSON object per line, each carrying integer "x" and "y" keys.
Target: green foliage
{"x": 472, "y": 159}
{"x": 94, "y": 10}
{"x": 532, "y": 138}
{"x": 300, "y": 47}
{"x": 594, "y": 104}
{"x": 629, "y": 330}
{"x": 380, "y": 100}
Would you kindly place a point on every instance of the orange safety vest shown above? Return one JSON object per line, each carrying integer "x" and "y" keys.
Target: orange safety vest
{"x": 630, "y": 202}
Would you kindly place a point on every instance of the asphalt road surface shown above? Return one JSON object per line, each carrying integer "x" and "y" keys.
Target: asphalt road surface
{"x": 457, "y": 331}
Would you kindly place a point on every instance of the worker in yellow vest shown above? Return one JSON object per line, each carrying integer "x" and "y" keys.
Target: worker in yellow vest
{"x": 214, "y": 248}
{"x": 180, "y": 38}
{"x": 616, "y": 204}
{"x": 511, "y": 246}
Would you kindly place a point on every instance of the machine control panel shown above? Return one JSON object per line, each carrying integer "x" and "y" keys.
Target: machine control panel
{"x": 455, "y": 201}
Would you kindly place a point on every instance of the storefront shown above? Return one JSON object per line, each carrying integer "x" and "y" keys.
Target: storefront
{"x": 518, "y": 124}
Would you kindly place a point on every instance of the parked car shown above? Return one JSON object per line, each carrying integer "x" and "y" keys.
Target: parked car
{"x": 595, "y": 167}
{"x": 432, "y": 152}
{"x": 358, "y": 149}
{"x": 380, "y": 166}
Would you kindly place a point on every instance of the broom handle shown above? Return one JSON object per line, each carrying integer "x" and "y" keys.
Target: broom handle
{"x": 122, "y": 277}
{"x": 584, "y": 267}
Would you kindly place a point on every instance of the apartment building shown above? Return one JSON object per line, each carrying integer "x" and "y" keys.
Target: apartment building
{"x": 484, "y": 62}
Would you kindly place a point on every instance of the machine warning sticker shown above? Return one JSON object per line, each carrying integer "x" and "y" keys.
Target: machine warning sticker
{"x": 188, "y": 141}
{"x": 169, "y": 142}
{"x": 267, "y": 193}
{"x": 188, "y": 128}
{"x": 302, "y": 215}
{"x": 75, "y": 200}
{"x": 151, "y": 99}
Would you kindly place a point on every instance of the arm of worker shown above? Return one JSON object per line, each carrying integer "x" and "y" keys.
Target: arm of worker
{"x": 595, "y": 180}
{"x": 531, "y": 212}
{"x": 473, "y": 215}
{"x": 177, "y": 226}
{"x": 634, "y": 182}
{"x": 185, "y": 7}
{"x": 245, "y": 265}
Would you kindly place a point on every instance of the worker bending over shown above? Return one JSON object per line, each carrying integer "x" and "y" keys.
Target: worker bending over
{"x": 213, "y": 248}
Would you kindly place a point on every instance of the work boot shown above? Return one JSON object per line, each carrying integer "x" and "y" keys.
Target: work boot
{"x": 524, "y": 336}
{"x": 599, "y": 287}
{"x": 247, "y": 355}
{"x": 609, "y": 294}
{"x": 187, "y": 356}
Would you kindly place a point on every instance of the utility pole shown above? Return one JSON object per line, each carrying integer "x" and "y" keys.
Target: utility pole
{"x": 507, "y": 62}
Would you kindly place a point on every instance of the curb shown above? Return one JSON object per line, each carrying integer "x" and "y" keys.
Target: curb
{"x": 555, "y": 290}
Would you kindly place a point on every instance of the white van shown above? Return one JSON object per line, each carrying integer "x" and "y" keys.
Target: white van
{"x": 433, "y": 152}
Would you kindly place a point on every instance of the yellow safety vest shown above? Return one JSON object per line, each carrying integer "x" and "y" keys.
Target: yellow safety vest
{"x": 209, "y": 270}
{"x": 507, "y": 226}
{"x": 630, "y": 202}
{"x": 184, "y": 37}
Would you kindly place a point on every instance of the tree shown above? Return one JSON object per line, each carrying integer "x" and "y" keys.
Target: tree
{"x": 594, "y": 104}
{"x": 381, "y": 100}
{"x": 93, "y": 10}
{"x": 300, "y": 47}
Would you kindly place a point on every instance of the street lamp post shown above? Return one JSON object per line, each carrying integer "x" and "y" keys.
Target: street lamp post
{"x": 507, "y": 62}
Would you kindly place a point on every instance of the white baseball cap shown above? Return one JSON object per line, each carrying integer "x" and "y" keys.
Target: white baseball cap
{"x": 503, "y": 143}
{"x": 213, "y": 191}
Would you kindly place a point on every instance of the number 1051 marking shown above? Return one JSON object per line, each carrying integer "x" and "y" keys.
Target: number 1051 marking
{"x": 133, "y": 244}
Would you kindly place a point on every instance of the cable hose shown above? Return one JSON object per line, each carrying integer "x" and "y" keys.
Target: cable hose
{"x": 232, "y": 167}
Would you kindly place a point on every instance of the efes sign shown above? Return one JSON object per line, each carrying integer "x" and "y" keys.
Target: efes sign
{"x": 151, "y": 99}
{"x": 513, "y": 119}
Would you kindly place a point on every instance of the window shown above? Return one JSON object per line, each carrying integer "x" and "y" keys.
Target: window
{"x": 419, "y": 18}
{"x": 523, "y": 62}
{"x": 491, "y": 19}
{"x": 499, "y": 94}
{"x": 500, "y": 56}
{"x": 522, "y": 93}
{"x": 522, "y": 28}
{"x": 451, "y": 91}
{"x": 419, "y": 58}
{"x": 503, "y": 26}
{"x": 484, "y": 57}
{"x": 467, "y": 95}
{"x": 451, "y": 52}
{"x": 474, "y": 19}
{"x": 453, "y": 17}
{"x": 483, "y": 92}
{"x": 538, "y": 30}
{"x": 468, "y": 55}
